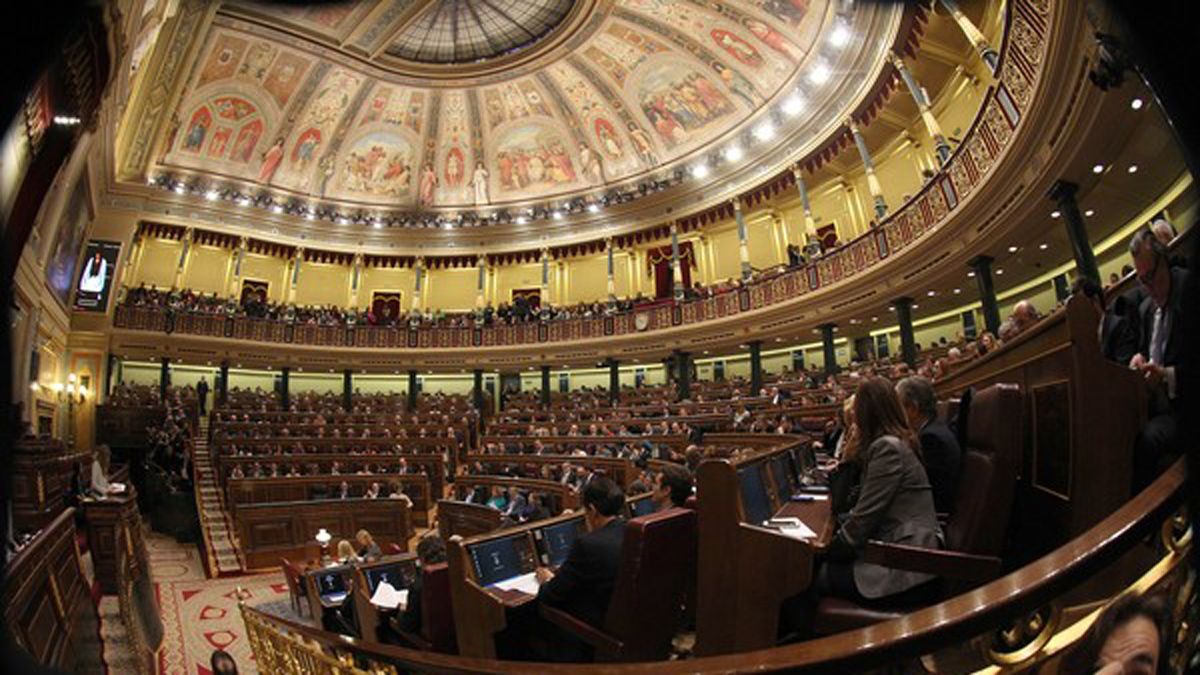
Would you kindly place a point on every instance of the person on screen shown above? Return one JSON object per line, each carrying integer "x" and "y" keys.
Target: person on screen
{"x": 583, "y": 585}
{"x": 94, "y": 275}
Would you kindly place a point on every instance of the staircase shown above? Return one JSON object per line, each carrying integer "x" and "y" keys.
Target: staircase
{"x": 223, "y": 555}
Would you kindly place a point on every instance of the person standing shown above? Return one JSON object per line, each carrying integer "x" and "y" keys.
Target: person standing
{"x": 202, "y": 394}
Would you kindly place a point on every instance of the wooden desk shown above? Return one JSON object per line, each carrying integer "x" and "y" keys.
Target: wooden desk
{"x": 106, "y": 520}
{"x": 46, "y": 603}
{"x": 42, "y": 477}
{"x": 268, "y": 532}
{"x": 240, "y": 492}
{"x": 746, "y": 571}
{"x": 466, "y": 519}
{"x": 481, "y": 611}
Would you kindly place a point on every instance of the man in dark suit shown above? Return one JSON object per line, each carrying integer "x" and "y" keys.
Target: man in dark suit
{"x": 1118, "y": 329}
{"x": 1160, "y": 348}
{"x": 583, "y": 585}
{"x": 940, "y": 452}
{"x": 202, "y": 394}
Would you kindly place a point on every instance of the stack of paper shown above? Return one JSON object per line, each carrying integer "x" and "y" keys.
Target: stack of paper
{"x": 526, "y": 583}
{"x": 800, "y": 531}
{"x": 387, "y": 597}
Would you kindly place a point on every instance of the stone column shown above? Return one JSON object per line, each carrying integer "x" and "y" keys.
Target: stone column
{"x": 908, "y": 345}
{"x": 812, "y": 247}
{"x": 413, "y": 387}
{"x": 612, "y": 282}
{"x": 419, "y": 276}
{"x": 355, "y": 278}
{"x": 831, "y": 364}
{"x": 743, "y": 240}
{"x": 922, "y": 100}
{"x": 285, "y": 398}
{"x": 295, "y": 275}
{"x": 239, "y": 257}
{"x": 188, "y": 236}
{"x": 545, "y": 386}
{"x": 614, "y": 381}
{"x": 477, "y": 393}
{"x": 676, "y": 266}
{"x": 1063, "y": 193}
{"x": 223, "y": 386}
{"x": 756, "y": 372}
{"x": 347, "y": 390}
{"x": 873, "y": 185}
{"x": 683, "y": 379}
{"x": 479, "y": 287}
{"x": 164, "y": 377}
{"x": 545, "y": 289}
{"x": 982, "y": 266}
{"x": 974, "y": 35}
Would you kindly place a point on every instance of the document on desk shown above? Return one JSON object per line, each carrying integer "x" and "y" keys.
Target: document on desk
{"x": 387, "y": 597}
{"x": 800, "y": 531}
{"x": 526, "y": 583}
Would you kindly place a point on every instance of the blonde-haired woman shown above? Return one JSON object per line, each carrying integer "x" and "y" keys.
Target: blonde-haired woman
{"x": 345, "y": 552}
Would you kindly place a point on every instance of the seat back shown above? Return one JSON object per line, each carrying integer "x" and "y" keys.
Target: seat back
{"x": 988, "y": 477}
{"x": 647, "y": 600}
{"x": 437, "y": 616}
{"x": 292, "y": 575}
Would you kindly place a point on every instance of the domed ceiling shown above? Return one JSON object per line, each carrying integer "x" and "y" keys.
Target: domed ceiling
{"x": 445, "y": 105}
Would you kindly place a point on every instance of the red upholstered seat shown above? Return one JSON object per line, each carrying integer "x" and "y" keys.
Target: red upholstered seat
{"x": 647, "y": 601}
{"x": 976, "y": 529}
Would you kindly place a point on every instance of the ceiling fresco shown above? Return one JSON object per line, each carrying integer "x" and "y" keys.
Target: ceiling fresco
{"x": 302, "y": 101}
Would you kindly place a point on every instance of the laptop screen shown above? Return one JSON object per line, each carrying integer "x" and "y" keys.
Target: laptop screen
{"x": 556, "y": 540}
{"x": 755, "y": 501}
{"x": 499, "y": 559}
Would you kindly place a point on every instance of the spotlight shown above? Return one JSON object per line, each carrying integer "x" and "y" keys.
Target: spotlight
{"x": 212, "y": 195}
{"x": 1136, "y": 104}
{"x": 1099, "y": 168}
{"x": 764, "y": 131}
{"x": 733, "y": 153}
{"x": 593, "y": 208}
{"x": 700, "y": 171}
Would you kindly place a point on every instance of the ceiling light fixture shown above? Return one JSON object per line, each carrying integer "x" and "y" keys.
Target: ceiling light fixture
{"x": 733, "y": 153}
{"x": 212, "y": 195}
{"x": 957, "y": 291}
{"x": 593, "y": 208}
{"x": 931, "y": 293}
{"x": 1043, "y": 247}
{"x": 1055, "y": 214}
{"x": 700, "y": 171}
{"x": 1099, "y": 168}
{"x": 1133, "y": 168}
{"x": 1012, "y": 249}
{"x": 1136, "y": 104}
{"x": 793, "y": 105}
{"x": 557, "y": 214}
{"x": 1089, "y": 213}
{"x": 764, "y": 131}
{"x": 1000, "y": 270}
{"x": 67, "y": 120}
{"x": 840, "y": 34}
{"x": 819, "y": 73}
{"x": 971, "y": 273}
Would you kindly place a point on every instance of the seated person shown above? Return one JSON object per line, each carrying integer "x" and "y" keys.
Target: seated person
{"x": 894, "y": 504}
{"x": 583, "y": 585}
{"x": 431, "y": 550}
{"x": 672, "y": 487}
{"x": 398, "y": 493}
{"x": 1118, "y": 330}
{"x": 939, "y": 450}
{"x": 345, "y": 553}
{"x": 498, "y": 500}
{"x": 368, "y": 550}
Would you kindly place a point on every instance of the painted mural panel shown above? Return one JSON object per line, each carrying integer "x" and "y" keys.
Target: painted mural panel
{"x": 647, "y": 82}
{"x": 68, "y": 238}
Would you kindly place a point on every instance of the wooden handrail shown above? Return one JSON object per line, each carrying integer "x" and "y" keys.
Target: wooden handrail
{"x": 951, "y": 622}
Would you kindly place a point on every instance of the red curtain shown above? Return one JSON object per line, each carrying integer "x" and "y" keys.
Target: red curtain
{"x": 828, "y": 236}
{"x": 659, "y": 260}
